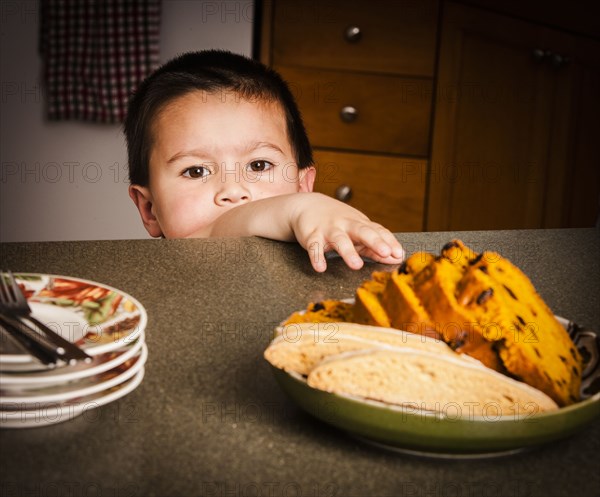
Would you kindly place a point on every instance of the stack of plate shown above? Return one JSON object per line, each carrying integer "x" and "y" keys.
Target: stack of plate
{"x": 105, "y": 322}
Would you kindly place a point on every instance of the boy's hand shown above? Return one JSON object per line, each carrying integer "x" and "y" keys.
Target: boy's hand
{"x": 318, "y": 222}
{"x": 321, "y": 224}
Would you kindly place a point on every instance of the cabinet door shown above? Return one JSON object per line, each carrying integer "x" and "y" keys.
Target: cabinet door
{"x": 390, "y": 190}
{"x": 575, "y": 159}
{"x": 504, "y": 141}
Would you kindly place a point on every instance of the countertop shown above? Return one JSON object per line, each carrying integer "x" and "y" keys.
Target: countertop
{"x": 209, "y": 418}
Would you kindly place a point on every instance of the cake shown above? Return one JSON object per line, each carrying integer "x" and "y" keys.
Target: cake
{"x": 368, "y": 308}
{"x": 435, "y": 287}
{"x": 325, "y": 311}
{"x": 483, "y": 306}
{"x": 405, "y": 310}
{"x": 531, "y": 343}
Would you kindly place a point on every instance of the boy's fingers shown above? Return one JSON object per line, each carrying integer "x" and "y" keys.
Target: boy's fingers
{"x": 377, "y": 258}
{"x": 371, "y": 240}
{"x": 388, "y": 245}
{"x": 392, "y": 241}
{"x": 392, "y": 245}
{"x": 344, "y": 246}
{"x": 376, "y": 238}
{"x": 316, "y": 254}
{"x": 397, "y": 249}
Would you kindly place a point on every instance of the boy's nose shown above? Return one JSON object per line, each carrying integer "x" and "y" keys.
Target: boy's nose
{"x": 233, "y": 193}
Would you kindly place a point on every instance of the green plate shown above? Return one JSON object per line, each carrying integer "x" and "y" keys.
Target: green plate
{"x": 451, "y": 433}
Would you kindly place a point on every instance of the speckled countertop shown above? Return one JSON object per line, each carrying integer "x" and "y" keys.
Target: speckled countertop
{"x": 209, "y": 418}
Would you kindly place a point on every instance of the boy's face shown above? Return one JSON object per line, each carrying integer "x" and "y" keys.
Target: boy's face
{"x": 211, "y": 153}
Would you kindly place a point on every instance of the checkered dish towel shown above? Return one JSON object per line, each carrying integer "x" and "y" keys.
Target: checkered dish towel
{"x": 96, "y": 52}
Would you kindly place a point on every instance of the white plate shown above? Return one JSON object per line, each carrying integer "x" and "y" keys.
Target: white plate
{"x": 47, "y": 416}
{"x": 64, "y": 321}
{"x": 44, "y": 378}
{"x": 64, "y": 308}
{"x": 27, "y": 399}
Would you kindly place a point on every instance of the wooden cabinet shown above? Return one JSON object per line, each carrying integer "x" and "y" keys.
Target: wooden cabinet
{"x": 516, "y": 126}
{"x": 362, "y": 73}
{"x": 389, "y": 114}
{"x": 496, "y": 111}
{"x": 380, "y": 36}
{"x": 388, "y": 189}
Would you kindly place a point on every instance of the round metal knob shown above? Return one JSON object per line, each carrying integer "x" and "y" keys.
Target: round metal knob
{"x": 343, "y": 193}
{"x": 539, "y": 54}
{"x": 558, "y": 60}
{"x": 352, "y": 34}
{"x": 349, "y": 114}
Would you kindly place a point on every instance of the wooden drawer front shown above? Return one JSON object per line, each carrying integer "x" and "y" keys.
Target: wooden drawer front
{"x": 393, "y": 113}
{"x": 391, "y": 191}
{"x": 395, "y": 36}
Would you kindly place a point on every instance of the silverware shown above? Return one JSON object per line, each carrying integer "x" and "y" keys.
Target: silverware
{"x": 28, "y": 340}
{"x": 17, "y": 315}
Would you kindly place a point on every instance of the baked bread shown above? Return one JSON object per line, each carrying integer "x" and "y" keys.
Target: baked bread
{"x": 435, "y": 287}
{"x": 458, "y": 254}
{"x": 479, "y": 304}
{"x": 422, "y": 380}
{"x": 531, "y": 343}
{"x": 405, "y": 310}
{"x": 299, "y": 347}
{"x": 368, "y": 308}
{"x": 325, "y": 311}
{"x": 483, "y": 306}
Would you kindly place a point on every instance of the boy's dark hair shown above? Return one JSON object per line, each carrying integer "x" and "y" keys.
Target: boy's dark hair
{"x": 210, "y": 71}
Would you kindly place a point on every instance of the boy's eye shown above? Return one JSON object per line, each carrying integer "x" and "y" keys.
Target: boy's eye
{"x": 259, "y": 166}
{"x": 196, "y": 172}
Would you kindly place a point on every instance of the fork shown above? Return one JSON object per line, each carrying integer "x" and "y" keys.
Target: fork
{"x": 14, "y": 304}
{"x": 28, "y": 340}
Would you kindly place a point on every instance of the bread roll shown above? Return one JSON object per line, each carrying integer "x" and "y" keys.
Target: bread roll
{"x": 422, "y": 380}
{"x": 301, "y": 346}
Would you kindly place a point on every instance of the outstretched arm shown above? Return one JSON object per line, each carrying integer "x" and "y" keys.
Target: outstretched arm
{"x": 318, "y": 222}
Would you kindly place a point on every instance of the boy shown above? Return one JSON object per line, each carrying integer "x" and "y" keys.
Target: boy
{"x": 217, "y": 148}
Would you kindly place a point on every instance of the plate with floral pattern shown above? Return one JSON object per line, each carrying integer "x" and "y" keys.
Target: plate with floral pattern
{"x": 64, "y": 411}
{"x": 96, "y": 317}
{"x": 51, "y": 395}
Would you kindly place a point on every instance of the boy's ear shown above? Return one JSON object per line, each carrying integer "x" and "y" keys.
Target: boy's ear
{"x": 142, "y": 198}
{"x": 307, "y": 179}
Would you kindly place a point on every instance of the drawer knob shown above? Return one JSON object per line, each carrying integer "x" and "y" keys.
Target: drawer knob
{"x": 352, "y": 34}
{"x": 558, "y": 60}
{"x": 539, "y": 54}
{"x": 348, "y": 114}
{"x": 343, "y": 193}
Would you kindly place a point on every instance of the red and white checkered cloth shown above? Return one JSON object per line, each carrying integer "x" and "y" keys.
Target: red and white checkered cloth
{"x": 96, "y": 52}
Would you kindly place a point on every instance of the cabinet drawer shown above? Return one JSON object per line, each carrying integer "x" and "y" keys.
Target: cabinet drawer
{"x": 394, "y": 37}
{"x": 392, "y": 113}
{"x": 391, "y": 191}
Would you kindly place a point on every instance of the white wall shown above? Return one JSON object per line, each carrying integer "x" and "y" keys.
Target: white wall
{"x": 68, "y": 180}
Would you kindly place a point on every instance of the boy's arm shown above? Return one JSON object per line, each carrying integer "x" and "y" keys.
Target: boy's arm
{"x": 318, "y": 222}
